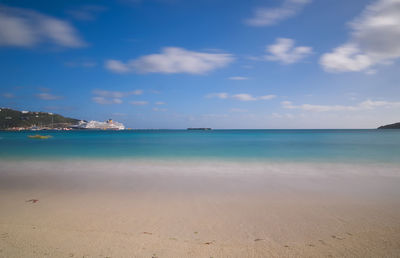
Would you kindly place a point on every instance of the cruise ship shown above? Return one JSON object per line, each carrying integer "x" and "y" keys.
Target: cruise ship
{"x": 96, "y": 125}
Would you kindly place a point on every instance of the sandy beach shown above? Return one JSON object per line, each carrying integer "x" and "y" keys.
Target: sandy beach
{"x": 198, "y": 209}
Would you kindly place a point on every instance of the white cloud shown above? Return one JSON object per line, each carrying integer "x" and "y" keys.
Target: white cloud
{"x": 371, "y": 71}
{"x": 285, "y": 51}
{"x": 116, "y": 66}
{"x": 86, "y": 12}
{"x": 346, "y": 58}
{"x": 104, "y": 97}
{"x": 8, "y": 95}
{"x": 160, "y": 103}
{"x": 159, "y": 109}
{"x": 84, "y": 64}
{"x": 365, "y": 105}
{"x": 221, "y": 95}
{"x": 139, "y": 103}
{"x": 116, "y": 94}
{"x": 238, "y": 78}
{"x": 374, "y": 40}
{"x": 238, "y": 110}
{"x": 244, "y": 97}
{"x": 276, "y": 115}
{"x": 119, "y": 114}
{"x": 240, "y": 96}
{"x": 267, "y": 97}
{"x": 26, "y": 28}
{"x": 284, "y": 116}
{"x": 272, "y": 16}
{"x": 213, "y": 116}
{"x": 47, "y": 96}
{"x": 370, "y": 104}
{"x": 136, "y": 92}
{"x": 173, "y": 60}
{"x": 105, "y": 101}
{"x": 249, "y": 97}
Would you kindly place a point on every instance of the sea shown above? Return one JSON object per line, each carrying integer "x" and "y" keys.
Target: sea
{"x": 346, "y": 146}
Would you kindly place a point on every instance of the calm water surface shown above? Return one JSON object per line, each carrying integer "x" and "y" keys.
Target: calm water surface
{"x": 247, "y": 145}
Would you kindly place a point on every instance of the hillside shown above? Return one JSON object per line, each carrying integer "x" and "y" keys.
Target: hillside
{"x": 390, "y": 126}
{"x": 10, "y": 118}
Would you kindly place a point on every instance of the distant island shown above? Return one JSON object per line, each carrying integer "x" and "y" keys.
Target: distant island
{"x": 201, "y": 129}
{"x": 29, "y": 120}
{"x": 390, "y": 126}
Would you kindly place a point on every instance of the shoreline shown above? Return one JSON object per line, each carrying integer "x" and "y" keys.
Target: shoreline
{"x": 205, "y": 166}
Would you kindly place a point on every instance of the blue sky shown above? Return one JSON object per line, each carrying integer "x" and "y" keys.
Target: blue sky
{"x": 210, "y": 63}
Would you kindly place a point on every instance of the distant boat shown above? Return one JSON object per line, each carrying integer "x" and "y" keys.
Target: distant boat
{"x": 37, "y": 136}
{"x": 200, "y": 129}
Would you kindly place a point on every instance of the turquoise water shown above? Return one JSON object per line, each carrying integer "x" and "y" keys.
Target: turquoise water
{"x": 260, "y": 145}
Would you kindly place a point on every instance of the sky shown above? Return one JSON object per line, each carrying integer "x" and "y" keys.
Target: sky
{"x": 173, "y": 64}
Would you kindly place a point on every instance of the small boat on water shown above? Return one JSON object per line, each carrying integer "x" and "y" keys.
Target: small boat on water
{"x": 200, "y": 129}
{"x": 37, "y": 136}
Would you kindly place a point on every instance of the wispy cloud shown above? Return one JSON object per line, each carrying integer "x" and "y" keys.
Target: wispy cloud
{"x": 249, "y": 97}
{"x": 365, "y": 105}
{"x": 172, "y": 60}
{"x": 160, "y": 103}
{"x": 26, "y": 28}
{"x": 106, "y": 101}
{"x": 266, "y": 97}
{"x": 285, "y": 51}
{"x": 47, "y": 96}
{"x": 244, "y": 97}
{"x": 84, "y": 64}
{"x": 119, "y": 114}
{"x": 8, "y": 95}
{"x": 238, "y": 78}
{"x": 240, "y": 96}
{"x": 117, "y": 66}
{"x": 214, "y": 116}
{"x": 86, "y": 12}
{"x": 139, "y": 103}
{"x": 277, "y": 115}
{"x": 220, "y": 95}
{"x": 238, "y": 110}
{"x": 272, "y": 16}
{"x": 142, "y": 1}
{"x": 374, "y": 40}
{"x": 116, "y": 94}
{"x": 112, "y": 97}
{"x": 159, "y": 109}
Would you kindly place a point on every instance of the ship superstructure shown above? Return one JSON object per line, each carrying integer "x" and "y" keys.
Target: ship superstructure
{"x": 96, "y": 125}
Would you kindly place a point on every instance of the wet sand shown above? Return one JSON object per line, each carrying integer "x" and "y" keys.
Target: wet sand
{"x": 198, "y": 209}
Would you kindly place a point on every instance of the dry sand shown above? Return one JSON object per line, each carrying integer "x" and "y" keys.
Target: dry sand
{"x": 197, "y": 209}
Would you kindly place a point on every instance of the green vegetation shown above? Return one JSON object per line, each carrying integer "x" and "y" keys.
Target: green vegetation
{"x": 391, "y": 126}
{"x": 10, "y": 118}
